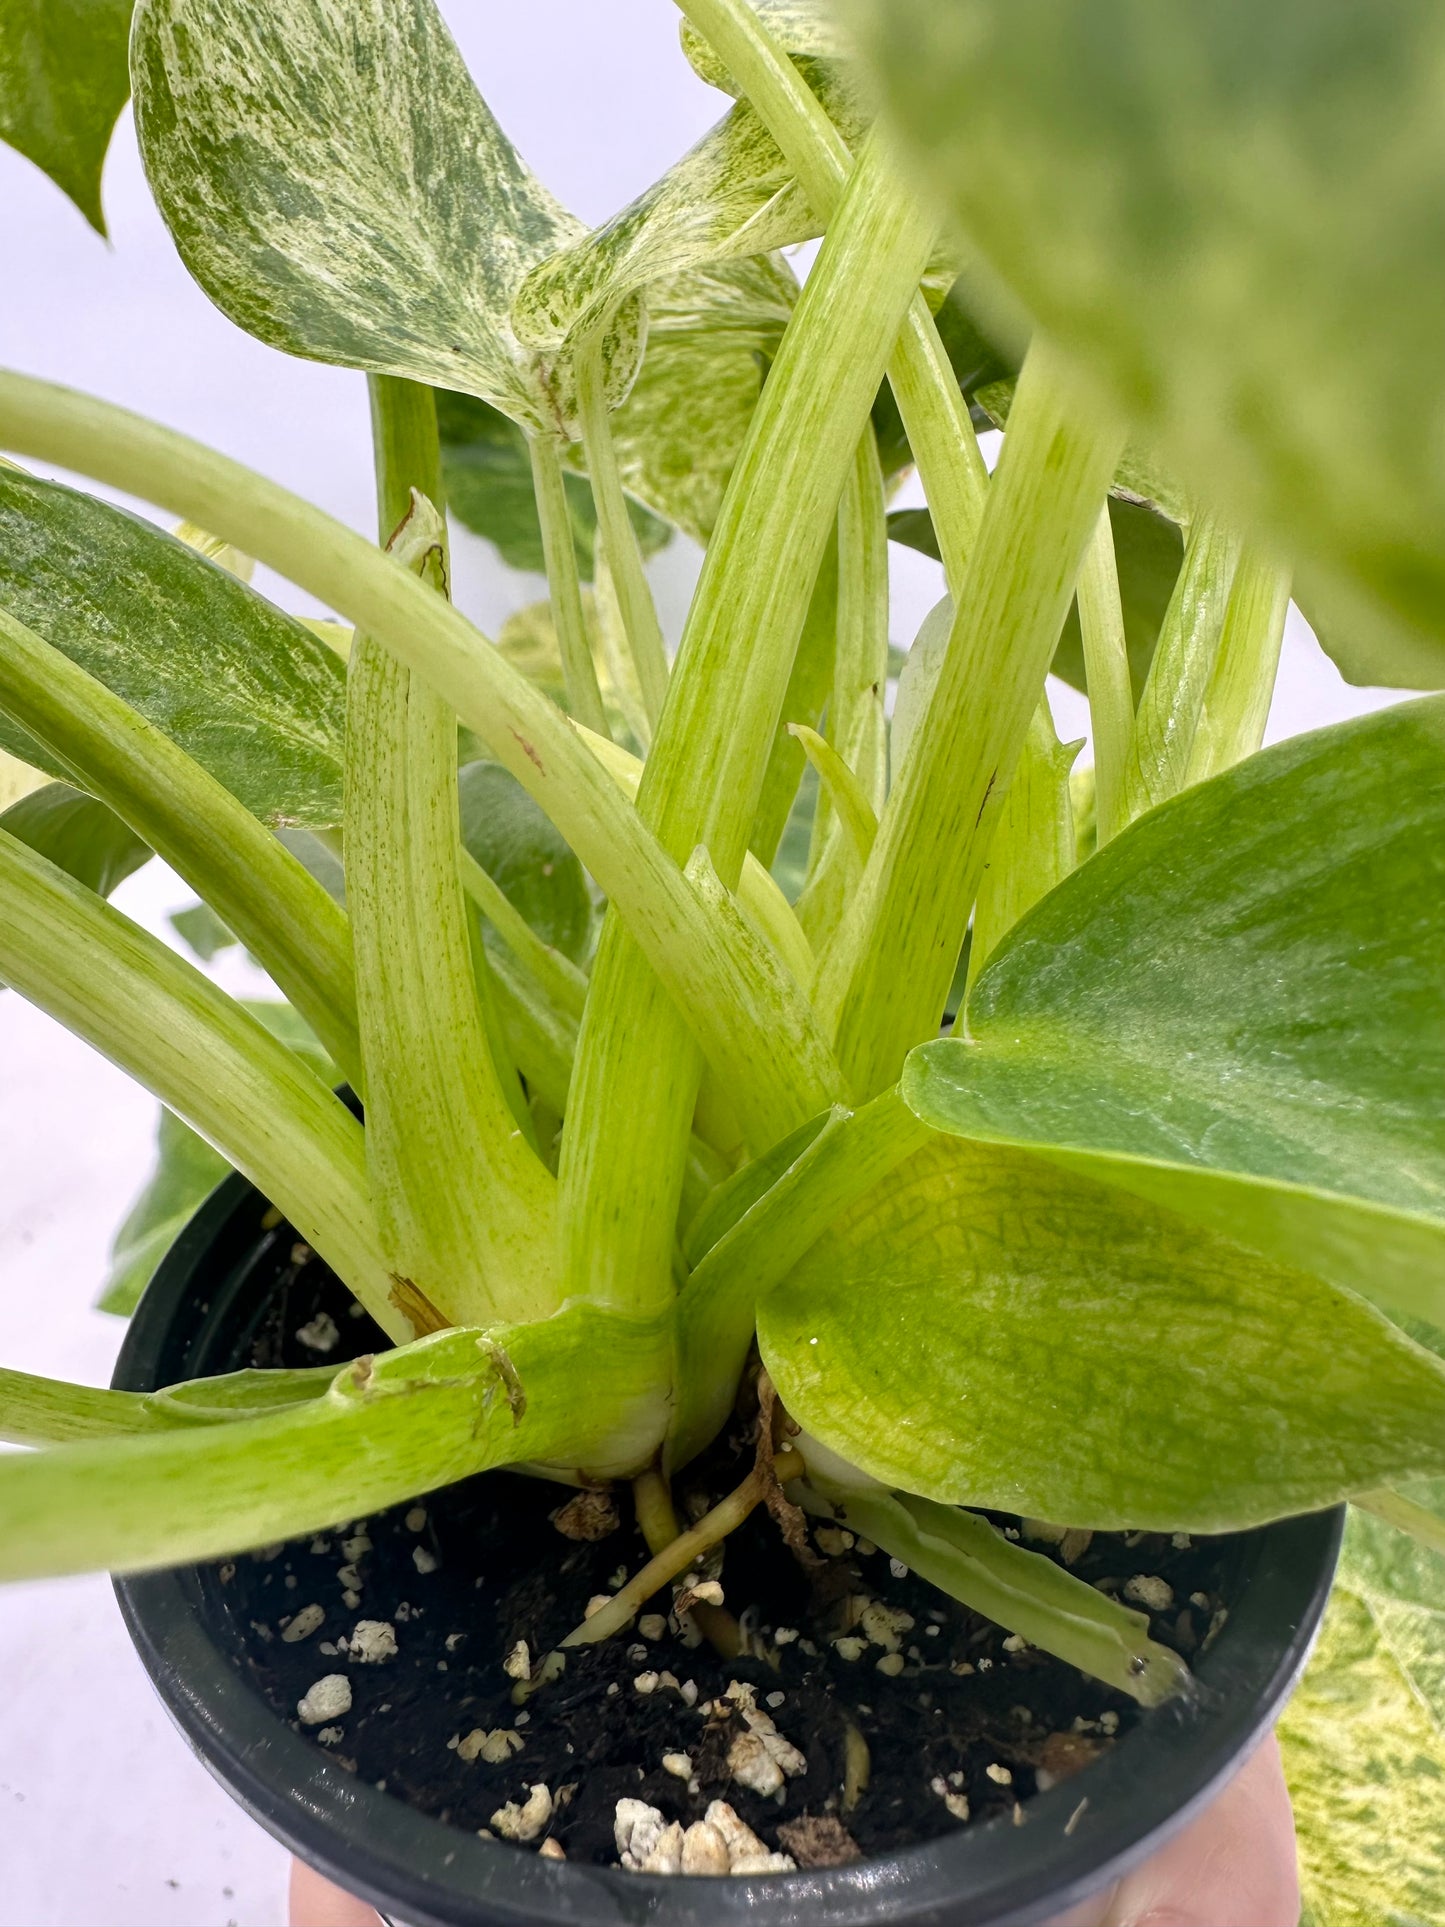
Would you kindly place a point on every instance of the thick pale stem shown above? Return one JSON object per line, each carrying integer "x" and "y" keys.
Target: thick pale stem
{"x": 1106, "y": 666}
{"x": 577, "y": 779}
{"x": 636, "y": 1076}
{"x": 1236, "y": 703}
{"x": 253, "y": 883}
{"x": 619, "y": 538}
{"x": 465, "y": 1204}
{"x": 808, "y": 691}
{"x": 1173, "y": 700}
{"x": 171, "y": 1029}
{"x": 934, "y": 412}
{"x": 1034, "y": 847}
{"x": 579, "y": 672}
{"x": 888, "y": 977}
{"x": 857, "y": 731}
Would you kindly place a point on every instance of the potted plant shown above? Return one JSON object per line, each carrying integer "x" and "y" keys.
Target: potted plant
{"x": 936, "y": 1307}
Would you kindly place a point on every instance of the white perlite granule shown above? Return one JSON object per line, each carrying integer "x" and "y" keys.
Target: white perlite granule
{"x": 524, "y": 1822}
{"x": 327, "y": 1699}
{"x": 303, "y": 1625}
{"x": 372, "y": 1641}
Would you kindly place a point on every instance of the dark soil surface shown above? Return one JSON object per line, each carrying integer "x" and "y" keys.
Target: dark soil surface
{"x": 972, "y": 1724}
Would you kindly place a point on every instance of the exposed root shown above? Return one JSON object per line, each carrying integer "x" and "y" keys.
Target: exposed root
{"x": 774, "y": 1426}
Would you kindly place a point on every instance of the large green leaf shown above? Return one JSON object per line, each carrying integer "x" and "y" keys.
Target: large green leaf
{"x": 505, "y": 831}
{"x": 1364, "y": 1738}
{"x": 255, "y": 698}
{"x": 1234, "y": 214}
{"x": 83, "y": 837}
{"x": 63, "y": 81}
{"x": 187, "y": 1170}
{"x": 1236, "y": 1008}
{"x": 338, "y": 187}
{"x": 985, "y": 1329}
{"x": 488, "y": 476}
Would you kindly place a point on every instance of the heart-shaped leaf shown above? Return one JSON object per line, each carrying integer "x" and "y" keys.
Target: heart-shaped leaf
{"x": 339, "y": 188}
{"x": 63, "y": 81}
{"x": 987, "y": 1330}
{"x": 1234, "y": 215}
{"x": 253, "y": 696}
{"x": 1235, "y": 1008}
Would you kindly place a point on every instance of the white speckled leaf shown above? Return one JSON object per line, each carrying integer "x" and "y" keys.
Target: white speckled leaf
{"x": 731, "y": 196}
{"x": 253, "y": 696}
{"x": 1364, "y": 1737}
{"x": 339, "y": 188}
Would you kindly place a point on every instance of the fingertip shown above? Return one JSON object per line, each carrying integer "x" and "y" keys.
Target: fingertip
{"x": 317, "y": 1902}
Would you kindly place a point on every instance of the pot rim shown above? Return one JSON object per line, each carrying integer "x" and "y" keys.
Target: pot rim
{"x": 1073, "y": 1840}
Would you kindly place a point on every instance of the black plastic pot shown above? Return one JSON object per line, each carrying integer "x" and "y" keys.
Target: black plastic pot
{"x": 199, "y": 1316}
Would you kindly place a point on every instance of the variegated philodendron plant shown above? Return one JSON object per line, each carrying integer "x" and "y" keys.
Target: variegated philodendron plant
{"x": 1153, "y": 1234}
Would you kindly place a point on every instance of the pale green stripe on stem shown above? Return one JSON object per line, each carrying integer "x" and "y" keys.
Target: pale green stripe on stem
{"x": 1241, "y": 686}
{"x": 618, "y": 537}
{"x": 857, "y": 732}
{"x": 1162, "y": 744}
{"x": 635, "y": 1080}
{"x": 1106, "y": 667}
{"x": 887, "y": 979}
{"x": 465, "y": 1205}
{"x": 564, "y": 587}
{"x": 1034, "y": 846}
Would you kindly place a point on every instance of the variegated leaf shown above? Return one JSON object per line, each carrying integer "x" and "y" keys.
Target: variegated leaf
{"x": 1364, "y": 1738}
{"x": 712, "y": 332}
{"x": 244, "y": 689}
{"x": 731, "y": 196}
{"x": 339, "y": 188}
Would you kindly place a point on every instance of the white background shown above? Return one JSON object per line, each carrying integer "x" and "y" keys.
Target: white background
{"x": 105, "y": 1821}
